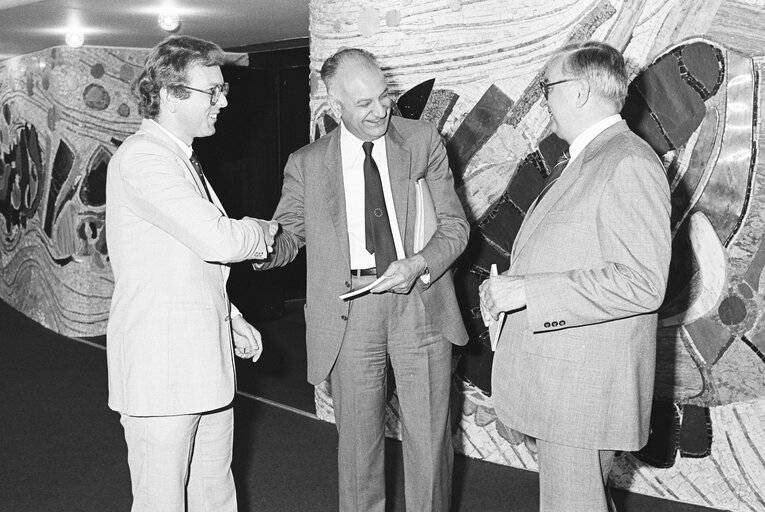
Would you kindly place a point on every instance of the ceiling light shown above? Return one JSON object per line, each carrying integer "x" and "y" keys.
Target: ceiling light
{"x": 169, "y": 21}
{"x": 74, "y": 38}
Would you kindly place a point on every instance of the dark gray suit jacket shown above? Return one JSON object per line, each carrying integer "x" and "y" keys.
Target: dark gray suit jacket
{"x": 312, "y": 212}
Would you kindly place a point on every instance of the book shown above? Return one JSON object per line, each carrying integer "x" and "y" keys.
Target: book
{"x": 425, "y": 221}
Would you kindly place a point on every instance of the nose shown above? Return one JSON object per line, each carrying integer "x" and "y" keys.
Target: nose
{"x": 222, "y": 101}
{"x": 381, "y": 107}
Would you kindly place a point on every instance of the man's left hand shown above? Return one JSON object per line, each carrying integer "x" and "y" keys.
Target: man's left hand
{"x": 247, "y": 341}
{"x": 501, "y": 293}
{"x": 401, "y": 275}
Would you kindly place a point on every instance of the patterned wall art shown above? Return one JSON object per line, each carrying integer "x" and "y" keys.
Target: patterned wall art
{"x": 64, "y": 113}
{"x": 472, "y": 68}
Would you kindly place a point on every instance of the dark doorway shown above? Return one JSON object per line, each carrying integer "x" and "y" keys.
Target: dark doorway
{"x": 268, "y": 117}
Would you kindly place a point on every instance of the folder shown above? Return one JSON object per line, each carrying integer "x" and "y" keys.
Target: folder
{"x": 425, "y": 221}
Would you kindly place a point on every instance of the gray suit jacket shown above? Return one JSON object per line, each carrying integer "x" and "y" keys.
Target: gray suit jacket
{"x": 312, "y": 213}
{"x": 169, "y": 348}
{"x": 577, "y": 365}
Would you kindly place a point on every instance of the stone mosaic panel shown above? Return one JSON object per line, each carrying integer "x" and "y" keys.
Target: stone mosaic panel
{"x": 64, "y": 113}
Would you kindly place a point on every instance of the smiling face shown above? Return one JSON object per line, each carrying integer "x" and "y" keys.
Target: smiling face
{"x": 194, "y": 116}
{"x": 359, "y": 96}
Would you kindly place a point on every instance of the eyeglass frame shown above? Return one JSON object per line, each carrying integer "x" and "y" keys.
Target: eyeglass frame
{"x": 215, "y": 91}
{"x": 545, "y": 85}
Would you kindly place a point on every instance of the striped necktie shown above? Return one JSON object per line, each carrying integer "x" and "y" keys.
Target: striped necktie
{"x": 557, "y": 170}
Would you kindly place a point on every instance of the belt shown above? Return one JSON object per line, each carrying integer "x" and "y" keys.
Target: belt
{"x": 359, "y": 272}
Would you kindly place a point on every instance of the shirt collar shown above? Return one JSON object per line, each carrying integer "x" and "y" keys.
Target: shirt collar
{"x": 187, "y": 150}
{"x": 350, "y": 141}
{"x": 590, "y": 133}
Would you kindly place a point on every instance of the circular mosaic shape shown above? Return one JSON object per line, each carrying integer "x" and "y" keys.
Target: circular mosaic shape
{"x": 127, "y": 73}
{"x": 123, "y": 110}
{"x": 97, "y": 70}
{"x": 96, "y": 97}
{"x": 732, "y": 310}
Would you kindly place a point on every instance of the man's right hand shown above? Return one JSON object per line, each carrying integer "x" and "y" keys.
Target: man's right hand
{"x": 270, "y": 228}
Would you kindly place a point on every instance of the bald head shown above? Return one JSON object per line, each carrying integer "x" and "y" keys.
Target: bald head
{"x": 358, "y": 92}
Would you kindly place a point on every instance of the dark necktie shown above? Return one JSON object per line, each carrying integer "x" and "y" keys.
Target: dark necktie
{"x": 379, "y": 239}
{"x": 557, "y": 170}
{"x": 198, "y": 168}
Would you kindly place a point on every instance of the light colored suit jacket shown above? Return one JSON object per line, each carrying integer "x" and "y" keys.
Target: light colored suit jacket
{"x": 169, "y": 348}
{"x": 312, "y": 213}
{"x": 576, "y": 366}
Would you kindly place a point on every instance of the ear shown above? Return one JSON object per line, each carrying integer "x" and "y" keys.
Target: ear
{"x": 334, "y": 104}
{"x": 166, "y": 100}
{"x": 582, "y": 93}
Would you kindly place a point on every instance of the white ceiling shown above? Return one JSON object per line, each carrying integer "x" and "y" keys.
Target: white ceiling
{"x": 30, "y": 25}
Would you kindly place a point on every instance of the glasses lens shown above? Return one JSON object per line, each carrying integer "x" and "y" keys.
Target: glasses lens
{"x": 216, "y": 92}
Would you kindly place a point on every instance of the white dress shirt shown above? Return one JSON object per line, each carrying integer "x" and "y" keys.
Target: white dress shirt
{"x": 352, "y": 155}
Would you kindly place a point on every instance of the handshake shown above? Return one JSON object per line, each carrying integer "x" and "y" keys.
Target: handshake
{"x": 269, "y": 228}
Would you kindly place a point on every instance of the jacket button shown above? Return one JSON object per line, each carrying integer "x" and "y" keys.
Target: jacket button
{"x": 547, "y": 324}
{"x": 347, "y": 284}
{"x": 562, "y": 323}
{"x": 555, "y": 324}
{"x": 343, "y": 317}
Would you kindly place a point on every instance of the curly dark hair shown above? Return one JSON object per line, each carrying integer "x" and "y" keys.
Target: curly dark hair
{"x": 167, "y": 66}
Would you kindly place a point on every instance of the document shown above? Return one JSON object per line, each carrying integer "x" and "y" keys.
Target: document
{"x": 355, "y": 293}
{"x": 495, "y": 326}
{"x": 425, "y": 221}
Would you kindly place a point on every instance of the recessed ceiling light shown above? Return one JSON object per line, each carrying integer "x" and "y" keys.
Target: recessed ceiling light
{"x": 75, "y": 38}
{"x": 169, "y": 20}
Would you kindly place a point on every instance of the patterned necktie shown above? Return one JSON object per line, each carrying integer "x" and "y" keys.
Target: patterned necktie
{"x": 198, "y": 168}
{"x": 379, "y": 238}
{"x": 557, "y": 170}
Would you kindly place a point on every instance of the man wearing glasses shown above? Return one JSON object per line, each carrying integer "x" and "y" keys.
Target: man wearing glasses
{"x": 574, "y": 367}
{"x": 172, "y": 332}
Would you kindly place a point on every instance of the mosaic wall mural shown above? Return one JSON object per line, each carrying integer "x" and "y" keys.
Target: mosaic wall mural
{"x": 472, "y": 68}
{"x": 64, "y": 112}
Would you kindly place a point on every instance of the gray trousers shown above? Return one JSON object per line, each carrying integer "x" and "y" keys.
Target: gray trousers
{"x": 392, "y": 327}
{"x": 573, "y": 479}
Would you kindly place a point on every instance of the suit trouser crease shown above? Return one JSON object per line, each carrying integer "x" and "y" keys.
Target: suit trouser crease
{"x": 181, "y": 463}
{"x": 393, "y": 326}
{"x": 574, "y": 479}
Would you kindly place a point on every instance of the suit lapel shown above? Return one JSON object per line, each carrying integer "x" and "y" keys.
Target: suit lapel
{"x": 333, "y": 190}
{"x": 190, "y": 173}
{"x": 399, "y": 170}
{"x": 572, "y": 173}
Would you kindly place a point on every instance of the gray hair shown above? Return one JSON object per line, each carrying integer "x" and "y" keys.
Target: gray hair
{"x": 331, "y": 66}
{"x": 601, "y": 65}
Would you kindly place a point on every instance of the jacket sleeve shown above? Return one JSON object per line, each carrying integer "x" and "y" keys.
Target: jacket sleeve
{"x": 451, "y": 235}
{"x": 158, "y": 192}
{"x": 633, "y": 230}
{"x": 290, "y": 215}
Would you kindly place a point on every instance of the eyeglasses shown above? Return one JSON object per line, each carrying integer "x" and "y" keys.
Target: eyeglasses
{"x": 215, "y": 92}
{"x": 545, "y": 85}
